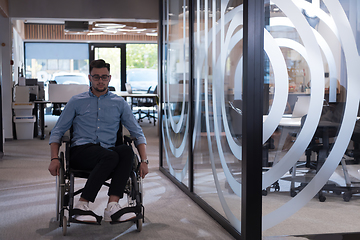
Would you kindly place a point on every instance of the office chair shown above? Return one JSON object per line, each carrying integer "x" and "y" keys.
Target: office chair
{"x": 321, "y": 145}
{"x": 150, "y": 103}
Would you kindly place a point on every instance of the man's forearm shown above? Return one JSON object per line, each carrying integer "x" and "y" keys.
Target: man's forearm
{"x": 54, "y": 148}
{"x": 142, "y": 151}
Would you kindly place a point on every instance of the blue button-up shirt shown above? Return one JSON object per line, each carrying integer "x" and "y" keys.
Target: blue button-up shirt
{"x": 96, "y": 120}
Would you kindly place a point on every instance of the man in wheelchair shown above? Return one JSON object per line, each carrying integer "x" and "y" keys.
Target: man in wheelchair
{"x": 95, "y": 118}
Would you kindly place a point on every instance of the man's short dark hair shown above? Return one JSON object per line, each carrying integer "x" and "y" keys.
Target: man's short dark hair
{"x": 100, "y": 63}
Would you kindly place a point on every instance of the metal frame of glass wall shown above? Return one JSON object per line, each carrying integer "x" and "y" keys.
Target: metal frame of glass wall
{"x": 1, "y": 121}
{"x": 253, "y": 75}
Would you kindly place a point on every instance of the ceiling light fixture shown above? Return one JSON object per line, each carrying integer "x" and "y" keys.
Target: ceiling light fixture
{"x": 110, "y": 30}
{"x": 131, "y": 30}
{"x": 95, "y": 33}
{"x": 109, "y": 25}
{"x": 151, "y": 34}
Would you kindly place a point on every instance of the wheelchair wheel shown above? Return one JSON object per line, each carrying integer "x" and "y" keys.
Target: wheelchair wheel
{"x": 139, "y": 225}
{"x": 64, "y": 225}
{"x": 135, "y": 196}
{"x": 139, "y": 200}
{"x": 140, "y": 189}
{"x": 61, "y": 191}
{"x": 58, "y": 196}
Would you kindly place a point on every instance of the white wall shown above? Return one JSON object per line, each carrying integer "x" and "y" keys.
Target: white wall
{"x": 5, "y": 41}
{"x": 18, "y": 54}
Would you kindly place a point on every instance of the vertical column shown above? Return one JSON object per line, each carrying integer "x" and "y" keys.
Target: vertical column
{"x": 251, "y": 205}
{"x": 6, "y": 77}
{"x": 123, "y": 66}
{"x": 191, "y": 93}
{"x": 1, "y": 115}
{"x": 160, "y": 78}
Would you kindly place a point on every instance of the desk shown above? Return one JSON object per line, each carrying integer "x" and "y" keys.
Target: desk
{"x": 136, "y": 95}
{"x": 287, "y": 125}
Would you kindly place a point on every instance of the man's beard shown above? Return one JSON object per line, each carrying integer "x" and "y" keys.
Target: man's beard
{"x": 100, "y": 90}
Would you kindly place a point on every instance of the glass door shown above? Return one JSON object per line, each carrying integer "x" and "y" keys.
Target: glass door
{"x": 115, "y": 55}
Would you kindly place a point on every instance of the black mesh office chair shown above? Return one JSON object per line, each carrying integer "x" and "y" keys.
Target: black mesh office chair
{"x": 149, "y": 103}
{"x": 321, "y": 144}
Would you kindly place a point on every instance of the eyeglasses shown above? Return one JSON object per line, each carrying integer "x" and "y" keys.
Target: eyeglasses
{"x": 103, "y": 77}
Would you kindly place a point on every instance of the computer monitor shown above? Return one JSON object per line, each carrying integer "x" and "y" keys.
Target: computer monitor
{"x": 31, "y": 81}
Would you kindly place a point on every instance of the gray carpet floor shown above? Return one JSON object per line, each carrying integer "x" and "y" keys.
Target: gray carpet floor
{"x": 28, "y": 205}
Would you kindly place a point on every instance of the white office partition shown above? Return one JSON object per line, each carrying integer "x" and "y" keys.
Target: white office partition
{"x": 61, "y": 93}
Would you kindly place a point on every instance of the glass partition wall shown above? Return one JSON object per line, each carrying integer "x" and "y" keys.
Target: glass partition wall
{"x": 312, "y": 84}
{"x": 310, "y": 101}
{"x": 175, "y": 91}
{"x": 211, "y": 166}
{"x": 217, "y": 106}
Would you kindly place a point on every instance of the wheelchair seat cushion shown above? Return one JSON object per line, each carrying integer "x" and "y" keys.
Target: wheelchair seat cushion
{"x": 77, "y": 211}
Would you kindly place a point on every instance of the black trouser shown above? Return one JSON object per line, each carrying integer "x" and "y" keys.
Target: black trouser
{"x": 114, "y": 163}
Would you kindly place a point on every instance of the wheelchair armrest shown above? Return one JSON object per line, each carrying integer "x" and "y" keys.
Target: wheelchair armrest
{"x": 65, "y": 139}
{"x": 128, "y": 139}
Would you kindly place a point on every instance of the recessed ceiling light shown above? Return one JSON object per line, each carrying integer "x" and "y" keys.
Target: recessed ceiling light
{"x": 131, "y": 30}
{"x": 151, "y": 34}
{"x": 95, "y": 33}
{"x": 110, "y": 25}
{"x": 98, "y": 28}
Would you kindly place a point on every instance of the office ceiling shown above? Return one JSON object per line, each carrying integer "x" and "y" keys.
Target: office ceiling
{"x": 102, "y": 26}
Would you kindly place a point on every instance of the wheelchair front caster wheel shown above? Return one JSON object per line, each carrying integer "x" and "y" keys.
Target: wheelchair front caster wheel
{"x": 338, "y": 192}
{"x": 322, "y": 198}
{"x": 139, "y": 225}
{"x": 347, "y": 196}
{"x": 64, "y": 225}
{"x": 277, "y": 187}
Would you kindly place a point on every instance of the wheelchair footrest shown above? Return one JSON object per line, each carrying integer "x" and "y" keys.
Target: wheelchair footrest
{"x": 76, "y": 211}
{"x": 118, "y": 214}
{"x": 138, "y": 216}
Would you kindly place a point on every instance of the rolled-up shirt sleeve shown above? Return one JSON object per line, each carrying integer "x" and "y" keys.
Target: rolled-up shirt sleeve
{"x": 130, "y": 123}
{"x": 63, "y": 123}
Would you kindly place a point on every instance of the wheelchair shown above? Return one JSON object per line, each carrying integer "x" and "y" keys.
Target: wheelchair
{"x": 66, "y": 180}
